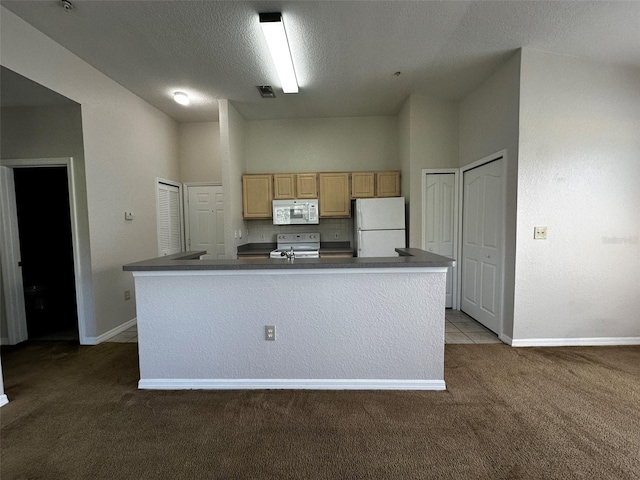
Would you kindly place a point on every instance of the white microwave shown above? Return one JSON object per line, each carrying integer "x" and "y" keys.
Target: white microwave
{"x": 295, "y": 212}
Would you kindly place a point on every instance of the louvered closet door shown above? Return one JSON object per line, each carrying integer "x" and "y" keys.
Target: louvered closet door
{"x": 168, "y": 219}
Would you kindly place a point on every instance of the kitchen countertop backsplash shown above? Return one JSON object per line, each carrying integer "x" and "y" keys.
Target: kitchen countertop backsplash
{"x": 331, "y": 230}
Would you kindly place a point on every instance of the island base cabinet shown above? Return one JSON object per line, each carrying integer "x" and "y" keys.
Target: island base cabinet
{"x": 381, "y": 335}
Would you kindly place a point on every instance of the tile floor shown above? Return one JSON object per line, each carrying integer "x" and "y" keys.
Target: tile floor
{"x": 130, "y": 335}
{"x": 459, "y": 328}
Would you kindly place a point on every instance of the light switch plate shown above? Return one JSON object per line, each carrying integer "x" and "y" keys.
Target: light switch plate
{"x": 540, "y": 233}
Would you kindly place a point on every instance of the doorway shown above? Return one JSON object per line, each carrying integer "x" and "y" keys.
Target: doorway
{"x": 440, "y": 226}
{"x": 482, "y": 256}
{"x": 46, "y": 248}
{"x": 205, "y": 219}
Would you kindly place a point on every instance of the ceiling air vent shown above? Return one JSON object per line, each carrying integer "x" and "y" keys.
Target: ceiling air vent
{"x": 266, "y": 91}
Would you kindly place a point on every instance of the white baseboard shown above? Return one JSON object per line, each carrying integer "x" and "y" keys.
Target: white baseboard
{"x": 3, "y": 400}
{"x": 111, "y": 333}
{"x": 288, "y": 384}
{"x": 4, "y": 341}
{"x": 575, "y": 342}
{"x": 505, "y": 339}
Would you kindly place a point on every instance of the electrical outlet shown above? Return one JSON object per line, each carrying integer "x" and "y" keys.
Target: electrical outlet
{"x": 336, "y": 236}
{"x": 540, "y": 233}
{"x": 127, "y": 295}
{"x": 270, "y": 332}
{"x": 262, "y": 237}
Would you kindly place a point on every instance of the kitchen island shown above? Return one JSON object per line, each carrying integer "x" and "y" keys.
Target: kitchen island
{"x": 340, "y": 323}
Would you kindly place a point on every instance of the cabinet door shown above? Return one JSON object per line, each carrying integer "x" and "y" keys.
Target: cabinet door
{"x": 283, "y": 186}
{"x": 307, "y": 185}
{"x": 335, "y": 198}
{"x": 363, "y": 184}
{"x": 388, "y": 184}
{"x": 257, "y": 194}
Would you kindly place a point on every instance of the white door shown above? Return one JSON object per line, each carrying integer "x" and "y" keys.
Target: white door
{"x": 206, "y": 220}
{"x": 482, "y": 244}
{"x": 169, "y": 221}
{"x": 440, "y": 220}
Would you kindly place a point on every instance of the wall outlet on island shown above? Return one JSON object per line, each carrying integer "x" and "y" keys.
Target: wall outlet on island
{"x": 127, "y": 295}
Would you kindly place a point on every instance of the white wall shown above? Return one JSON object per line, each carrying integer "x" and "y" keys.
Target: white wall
{"x": 35, "y": 132}
{"x": 200, "y": 152}
{"x": 578, "y": 175}
{"x": 330, "y": 338}
{"x": 404, "y": 148}
{"x": 322, "y": 144}
{"x": 489, "y": 122}
{"x": 127, "y": 144}
{"x": 232, "y": 155}
{"x": 433, "y": 143}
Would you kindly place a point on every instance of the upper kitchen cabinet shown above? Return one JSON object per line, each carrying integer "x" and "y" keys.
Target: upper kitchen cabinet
{"x": 388, "y": 184}
{"x": 287, "y": 186}
{"x": 257, "y": 194}
{"x": 284, "y": 186}
{"x": 363, "y": 184}
{"x": 335, "y": 197}
{"x": 307, "y": 185}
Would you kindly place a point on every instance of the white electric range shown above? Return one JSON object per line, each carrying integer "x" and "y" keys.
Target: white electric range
{"x": 297, "y": 245}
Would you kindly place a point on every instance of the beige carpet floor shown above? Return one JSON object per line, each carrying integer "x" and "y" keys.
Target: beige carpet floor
{"x": 528, "y": 413}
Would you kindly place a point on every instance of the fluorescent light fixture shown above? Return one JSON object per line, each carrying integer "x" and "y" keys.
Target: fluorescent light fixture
{"x": 273, "y": 29}
{"x": 182, "y": 98}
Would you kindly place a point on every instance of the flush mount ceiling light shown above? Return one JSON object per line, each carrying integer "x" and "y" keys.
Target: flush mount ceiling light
{"x": 273, "y": 29}
{"x": 182, "y": 98}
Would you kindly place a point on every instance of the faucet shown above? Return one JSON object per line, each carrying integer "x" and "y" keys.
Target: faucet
{"x": 291, "y": 255}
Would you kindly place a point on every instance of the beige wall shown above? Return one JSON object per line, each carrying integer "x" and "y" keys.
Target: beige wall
{"x": 34, "y": 132}
{"x": 579, "y": 175}
{"x": 432, "y": 143}
{"x": 489, "y": 123}
{"x": 233, "y": 157}
{"x": 322, "y": 144}
{"x": 200, "y": 152}
{"x": 127, "y": 144}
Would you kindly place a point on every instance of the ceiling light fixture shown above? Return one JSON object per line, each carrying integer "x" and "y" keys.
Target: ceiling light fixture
{"x": 182, "y": 98}
{"x": 273, "y": 29}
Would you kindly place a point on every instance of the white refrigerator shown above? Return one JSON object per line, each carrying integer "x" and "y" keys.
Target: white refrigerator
{"x": 378, "y": 226}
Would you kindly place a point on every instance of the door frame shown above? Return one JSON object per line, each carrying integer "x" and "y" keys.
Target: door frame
{"x": 502, "y": 154}
{"x": 455, "y": 297}
{"x": 185, "y": 202}
{"x": 10, "y": 249}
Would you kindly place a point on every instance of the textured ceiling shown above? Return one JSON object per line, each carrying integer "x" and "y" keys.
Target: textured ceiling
{"x": 345, "y": 52}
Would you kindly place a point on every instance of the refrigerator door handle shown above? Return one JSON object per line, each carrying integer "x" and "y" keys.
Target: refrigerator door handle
{"x": 358, "y": 215}
{"x": 359, "y": 242}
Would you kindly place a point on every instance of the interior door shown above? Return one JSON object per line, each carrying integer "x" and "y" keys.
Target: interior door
{"x": 440, "y": 220}
{"x": 206, "y": 220}
{"x": 482, "y": 244}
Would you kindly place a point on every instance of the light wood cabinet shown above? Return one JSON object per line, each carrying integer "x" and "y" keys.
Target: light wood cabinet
{"x": 257, "y": 194}
{"x": 387, "y": 184}
{"x": 284, "y": 186}
{"x": 363, "y": 184}
{"x": 307, "y": 185}
{"x": 335, "y": 197}
{"x": 287, "y": 186}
